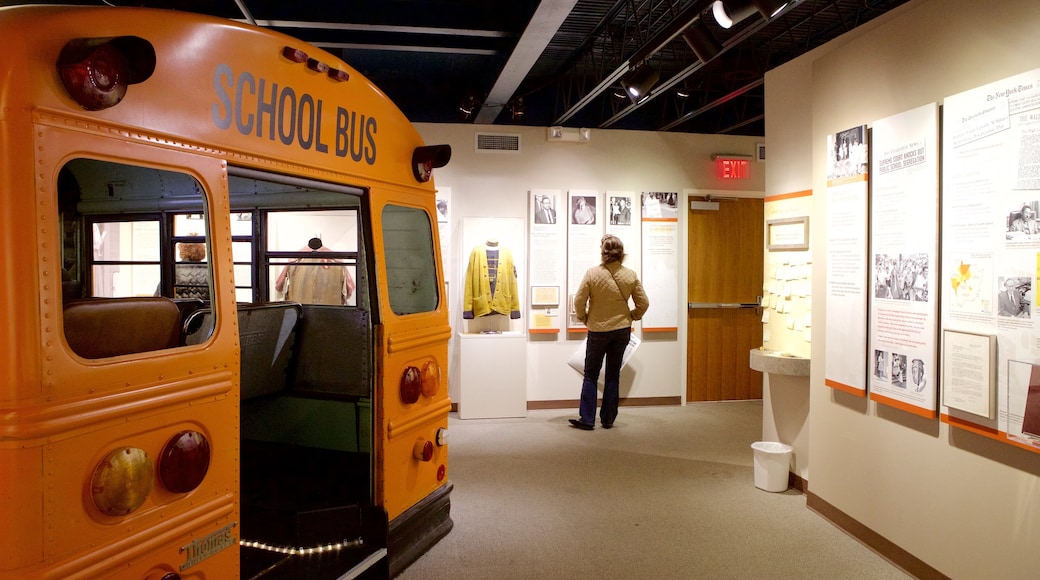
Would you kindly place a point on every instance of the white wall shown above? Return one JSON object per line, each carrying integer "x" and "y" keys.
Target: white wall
{"x": 967, "y": 506}
{"x": 496, "y": 184}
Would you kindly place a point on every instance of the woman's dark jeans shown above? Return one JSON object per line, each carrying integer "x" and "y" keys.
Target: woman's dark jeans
{"x": 610, "y": 344}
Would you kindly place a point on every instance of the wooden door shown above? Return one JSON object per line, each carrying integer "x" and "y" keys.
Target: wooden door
{"x": 725, "y": 275}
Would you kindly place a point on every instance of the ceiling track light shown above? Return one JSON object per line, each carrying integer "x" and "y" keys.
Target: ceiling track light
{"x": 729, "y": 12}
{"x": 467, "y": 106}
{"x": 638, "y": 81}
{"x": 702, "y": 41}
{"x": 516, "y": 108}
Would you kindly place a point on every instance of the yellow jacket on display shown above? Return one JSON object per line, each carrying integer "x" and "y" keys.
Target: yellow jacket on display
{"x": 477, "y": 297}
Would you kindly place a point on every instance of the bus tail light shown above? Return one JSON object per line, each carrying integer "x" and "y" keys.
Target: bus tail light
{"x": 122, "y": 481}
{"x": 411, "y": 385}
{"x": 422, "y": 450}
{"x": 431, "y": 378}
{"x": 426, "y": 159}
{"x": 97, "y": 71}
{"x": 184, "y": 461}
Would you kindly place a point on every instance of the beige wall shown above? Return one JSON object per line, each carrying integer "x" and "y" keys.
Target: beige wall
{"x": 496, "y": 184}
{"x": 964, "y": 505}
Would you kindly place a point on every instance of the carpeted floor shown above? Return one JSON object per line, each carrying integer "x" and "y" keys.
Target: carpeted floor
{"x": 667, "y": 493}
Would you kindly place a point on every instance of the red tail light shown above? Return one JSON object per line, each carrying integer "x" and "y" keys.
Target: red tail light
{"x": 411, "y": 385}
{"x": 422, "y": 450}
{"x": 97, "y": 71}
{"x": 184, "y": 461}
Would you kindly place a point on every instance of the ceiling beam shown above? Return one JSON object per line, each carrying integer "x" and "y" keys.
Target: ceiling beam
{"x": 540, "y": 30}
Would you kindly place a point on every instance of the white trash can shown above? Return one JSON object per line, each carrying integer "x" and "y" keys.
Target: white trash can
{"x": 772, "y": 465}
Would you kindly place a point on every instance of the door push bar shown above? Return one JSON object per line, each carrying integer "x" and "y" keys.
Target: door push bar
{"x": 757, "y": 304}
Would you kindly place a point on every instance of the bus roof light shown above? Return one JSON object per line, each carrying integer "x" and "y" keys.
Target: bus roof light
{"x": 97, "y": 71}
{"x": 294, "y": 54}
{"x": 338, "y": 75}
{"x": 317, "y": 66}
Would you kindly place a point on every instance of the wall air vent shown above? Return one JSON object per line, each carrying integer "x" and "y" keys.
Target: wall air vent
{"x": 498, "y": 142}
{"x": 760, "y": 152}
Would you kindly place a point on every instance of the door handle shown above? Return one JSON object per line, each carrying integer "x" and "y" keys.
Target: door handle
{"x": 722, "y": 305}
{"x": 757, "y": 304}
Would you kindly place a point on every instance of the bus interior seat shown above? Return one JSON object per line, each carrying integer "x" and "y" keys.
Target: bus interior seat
{"x": 266, "y": 333}
{"x": 333, "y": 353}
{"x": 104, "y": 327}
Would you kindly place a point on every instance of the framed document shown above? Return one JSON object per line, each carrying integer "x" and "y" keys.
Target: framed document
{"x": 788, "y": 234}
{"x": 969, "y": 372}
{"x": 545, "y": 295}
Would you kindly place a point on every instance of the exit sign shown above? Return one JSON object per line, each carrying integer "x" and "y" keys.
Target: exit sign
{"x": 731, "y": 168}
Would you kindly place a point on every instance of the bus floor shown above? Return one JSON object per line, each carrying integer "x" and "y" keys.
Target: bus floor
{"x": 306, "y": 512}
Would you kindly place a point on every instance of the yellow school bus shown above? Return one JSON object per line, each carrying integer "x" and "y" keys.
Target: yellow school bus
{"x": 225, "y": 334}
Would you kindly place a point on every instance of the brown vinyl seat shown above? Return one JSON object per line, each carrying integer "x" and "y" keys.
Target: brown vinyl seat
{"x": 106, "y": 327}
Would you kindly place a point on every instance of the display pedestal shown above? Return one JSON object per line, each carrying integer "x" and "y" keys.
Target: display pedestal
{"x": 494, "y": 376}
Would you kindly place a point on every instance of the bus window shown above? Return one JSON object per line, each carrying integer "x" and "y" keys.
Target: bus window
{"x": 314, "y": 256}
{"x": 242, "y": 253}
{"x": 191, "y": 271}
{"x": 125, "y": 260}
{"x": 410, "y": 267}
{"x": 142, "y": 235}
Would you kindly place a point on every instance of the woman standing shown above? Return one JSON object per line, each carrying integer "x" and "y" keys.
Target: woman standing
{"x": 602, "y": 304}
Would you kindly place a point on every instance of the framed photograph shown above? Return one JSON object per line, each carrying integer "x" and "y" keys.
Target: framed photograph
{"x": 788, "y": 234}
{"x": 545, "y": 295}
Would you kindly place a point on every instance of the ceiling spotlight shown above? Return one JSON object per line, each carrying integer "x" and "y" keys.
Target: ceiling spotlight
{"x": 702, "y": 41}
{"x": 638, "y": 81}
{"x": 682, "y": 93}
{"x": 467, "y": 106}
{"x": 727, "y": 13}
{"x": 516, "y": 107}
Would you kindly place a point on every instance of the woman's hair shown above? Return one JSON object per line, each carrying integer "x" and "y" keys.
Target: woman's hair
{"x": 612, "y": 249}
{"x": 191, "y": 252}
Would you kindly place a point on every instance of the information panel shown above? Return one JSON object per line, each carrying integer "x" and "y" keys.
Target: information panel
{"x": 904, "y": 238}
{"x": 991, "y": 244}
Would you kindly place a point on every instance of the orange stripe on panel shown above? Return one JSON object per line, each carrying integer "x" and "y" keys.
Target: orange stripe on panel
{"x": 926, "y": 413}
{"x": 845, "y": 180}
{"x": 793, "y": 195}
{"x": 845, "y": 388}
{"x": 987, "y": 432}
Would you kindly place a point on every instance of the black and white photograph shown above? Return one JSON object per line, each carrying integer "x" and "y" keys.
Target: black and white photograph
{"x": 545, "y": 209}
{"x": 918, "y": 378}
{"x": 880, "y": 364}
{"x": 620, "y": 211}
{"x": 442, "y": 210}
{"x": 660, "y": 204}
{"x": 1015, "y": 297}
{"x": 584, "y": 210}
{"x": 901, "y": 277}
{"x": 848, "y": 154}
{"x": 899, "y": 370}
{"x": 1021, "y": 222}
